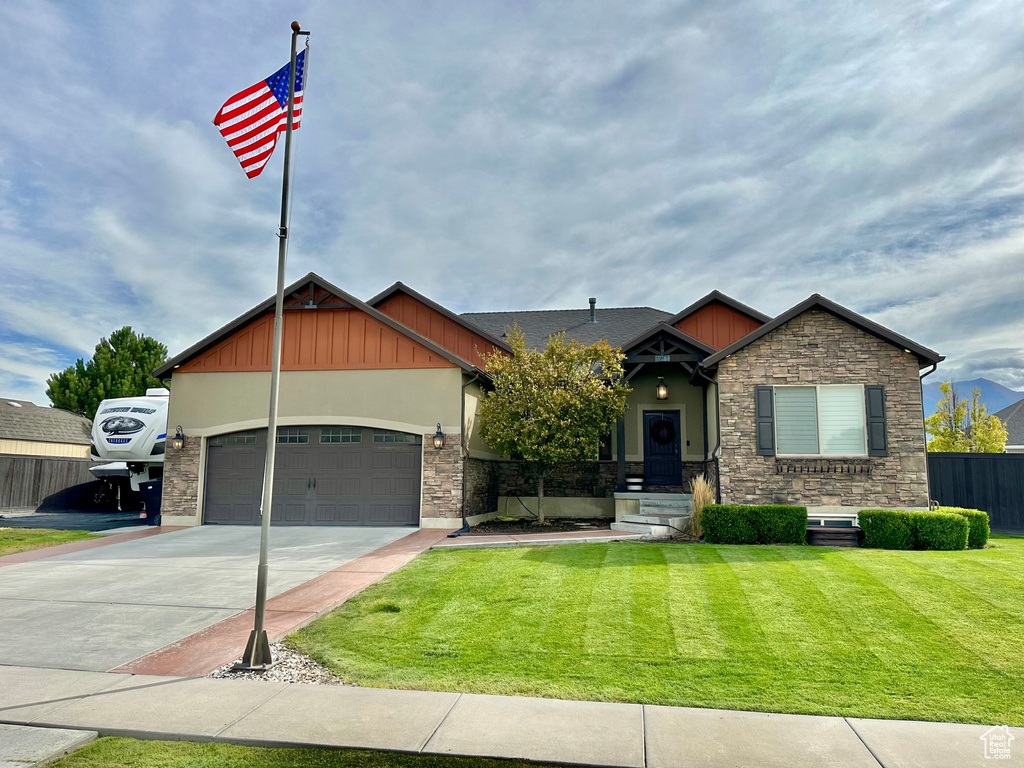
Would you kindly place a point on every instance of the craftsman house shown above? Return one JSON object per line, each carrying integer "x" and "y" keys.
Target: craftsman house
{"x": 818, "y": 406}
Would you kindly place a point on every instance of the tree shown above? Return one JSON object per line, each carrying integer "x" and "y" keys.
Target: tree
{"x": 552, "y": 406}
{"x": 120, "y": 367}
{"x": 961, "y": 426}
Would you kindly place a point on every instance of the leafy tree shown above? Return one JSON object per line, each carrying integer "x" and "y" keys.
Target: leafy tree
{"x": 552, "y": 406}
{"x": 962, "y": 426}
{"x": 987, "y": 433}
{"x": 120, "y": 367}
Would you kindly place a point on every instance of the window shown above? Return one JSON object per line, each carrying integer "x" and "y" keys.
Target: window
{"x": 824, "y": 420}
{"x": 292, "y": 435}
{"x": 340, "y": 435}
{"x": 387, "y": 436}
{"x": 604, "y": 447}
{"x": 238, "y": 438}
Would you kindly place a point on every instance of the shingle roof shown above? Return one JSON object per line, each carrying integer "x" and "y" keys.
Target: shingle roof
{"x": 27, "y": 421}
{"x": 1013, "y": 417}
{"x": 616, "y": 325}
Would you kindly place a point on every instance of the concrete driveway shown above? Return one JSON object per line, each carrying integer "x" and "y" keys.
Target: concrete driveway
{"x": 103, "y": 607}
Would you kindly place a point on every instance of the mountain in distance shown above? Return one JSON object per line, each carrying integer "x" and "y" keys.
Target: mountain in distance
{"x": 995, "y": 396}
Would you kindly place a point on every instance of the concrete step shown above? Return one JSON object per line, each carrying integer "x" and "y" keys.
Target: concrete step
{"x": 675, "y": 522}
{"x": 642, "y": 529}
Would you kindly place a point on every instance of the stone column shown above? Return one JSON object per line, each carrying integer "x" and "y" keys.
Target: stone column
{"x": 181, "y": 484}
{"x": 442, "y": 482}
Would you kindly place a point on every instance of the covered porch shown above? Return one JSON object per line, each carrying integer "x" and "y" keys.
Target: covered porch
{"x": 668, "y": 434}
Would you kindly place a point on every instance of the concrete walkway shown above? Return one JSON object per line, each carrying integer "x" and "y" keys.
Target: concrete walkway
{"x": 22, "y": 746}
{"x": 101, "y": 604}
{"x": 549, "y": 730}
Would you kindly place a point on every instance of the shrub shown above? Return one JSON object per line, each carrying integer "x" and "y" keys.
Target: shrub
{"x": 765, "y": 524}
{"x": 940, "y": 530}
{"x": 703, "y": 495}
{"x": 887, "y": 528}
{"x": 899, "y": 529}
{"x": 977, "y": 536}
{"x": 727, "y": 524}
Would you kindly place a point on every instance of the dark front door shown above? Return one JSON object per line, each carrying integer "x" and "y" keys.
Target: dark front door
{"x": 662, "y": 462}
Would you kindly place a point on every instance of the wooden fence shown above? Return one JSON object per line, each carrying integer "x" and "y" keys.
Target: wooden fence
{"x": 993, "y": 482}
{"x": 45, "y": 481}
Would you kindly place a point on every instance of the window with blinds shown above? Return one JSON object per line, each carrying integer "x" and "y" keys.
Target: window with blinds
{"x": 822, "y": 420}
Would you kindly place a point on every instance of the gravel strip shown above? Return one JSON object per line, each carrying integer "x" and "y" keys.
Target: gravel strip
{"x": 290, "y": 667}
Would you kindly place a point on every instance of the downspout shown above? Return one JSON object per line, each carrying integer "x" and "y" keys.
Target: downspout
{"x": 464, "y": 451}
{"x": 924, "y": 425}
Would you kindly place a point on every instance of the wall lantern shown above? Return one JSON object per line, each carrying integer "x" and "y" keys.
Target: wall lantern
{"x": 178, "y": 441}
{"x": 661, "y": 390}
{"x": 439, "y": 438}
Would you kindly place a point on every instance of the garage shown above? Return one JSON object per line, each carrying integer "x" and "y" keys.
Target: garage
{"x": 324, "y": 475}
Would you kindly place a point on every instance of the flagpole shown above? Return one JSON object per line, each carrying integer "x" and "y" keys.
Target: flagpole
{"x": 257, "y": 654}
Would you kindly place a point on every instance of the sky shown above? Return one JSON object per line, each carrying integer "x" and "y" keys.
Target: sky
{"x": 517, "y": 155}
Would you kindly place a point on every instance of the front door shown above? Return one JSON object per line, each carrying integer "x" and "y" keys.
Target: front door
{"x": 662, "y": 462}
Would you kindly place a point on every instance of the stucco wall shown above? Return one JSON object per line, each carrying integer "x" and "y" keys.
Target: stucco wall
{"x": 818, "y": 348}
{"x": 404, "y": 400}
{"x": 682, "y": 396}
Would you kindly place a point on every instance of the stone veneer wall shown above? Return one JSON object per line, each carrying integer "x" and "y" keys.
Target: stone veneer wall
{"x": 819, "y": 348}
{"x": 442, "y": 477}
{"x": 481, "y": 480}
{"x": 181, "y": 480}
{"x": 579, "y": 480}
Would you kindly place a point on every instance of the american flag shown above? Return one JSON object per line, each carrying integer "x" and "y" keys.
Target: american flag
{"x": 251, "y": 119}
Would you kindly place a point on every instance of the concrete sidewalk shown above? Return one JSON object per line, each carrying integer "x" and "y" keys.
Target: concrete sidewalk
{"x": 548, "y": 730}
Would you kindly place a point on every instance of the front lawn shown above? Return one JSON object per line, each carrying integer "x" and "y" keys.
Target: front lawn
{"x": 23, "y": 539}
{"x": 117, "y": 753}
{"x": 816, "y": 630}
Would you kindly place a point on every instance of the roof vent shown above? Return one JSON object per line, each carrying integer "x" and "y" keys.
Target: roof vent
{"x": 16, "y": 405}
{"x": 593, "y": 310}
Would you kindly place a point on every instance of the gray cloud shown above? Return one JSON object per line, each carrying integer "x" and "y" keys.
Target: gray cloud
{"x": 500, "y": 156}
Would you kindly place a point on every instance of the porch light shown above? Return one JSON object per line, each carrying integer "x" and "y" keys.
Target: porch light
{"x": 178, "y": 441}
{"x": 661, "y": 390}
{"x": 439, "y": 438}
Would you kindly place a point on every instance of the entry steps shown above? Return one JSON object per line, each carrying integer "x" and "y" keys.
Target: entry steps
{"x": 661, "y": 515}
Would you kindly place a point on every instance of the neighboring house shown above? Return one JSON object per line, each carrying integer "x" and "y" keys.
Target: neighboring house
{"x": 43, "y": 452}
{"x": 818, "y": 406}
{"x": 27, "y": 429}
{"x": 1013, "y": 417}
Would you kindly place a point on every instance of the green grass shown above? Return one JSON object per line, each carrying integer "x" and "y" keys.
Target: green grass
{"x": 117, "y": 753}
{"x": 23, "y": 539}
{"x": 817, "y": 630}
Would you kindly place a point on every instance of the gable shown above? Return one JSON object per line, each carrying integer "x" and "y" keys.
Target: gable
{"x": 717, "y": 325}
{"x": 437, "y": 327}
{"x": 316, "y": 340}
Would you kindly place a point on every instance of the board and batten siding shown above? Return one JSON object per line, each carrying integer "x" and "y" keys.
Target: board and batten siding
{"x": 717, "y": 325}
{"x": 314, "y": 340}
{"x": 441, "y": 330}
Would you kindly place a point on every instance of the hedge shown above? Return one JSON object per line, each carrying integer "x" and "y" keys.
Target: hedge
{"x": 899, "y": 529}
{"x": 765, "y": 524}
{"x": 977, "y": 537}
{"x": 887, "y": 528}
{"x": 941, "y": 530}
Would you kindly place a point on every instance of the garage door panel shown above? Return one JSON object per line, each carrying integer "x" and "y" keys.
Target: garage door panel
{"x": 357, "y": 482}
{"x": 406, "y": 486}
{"x": 382, "y": 458}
